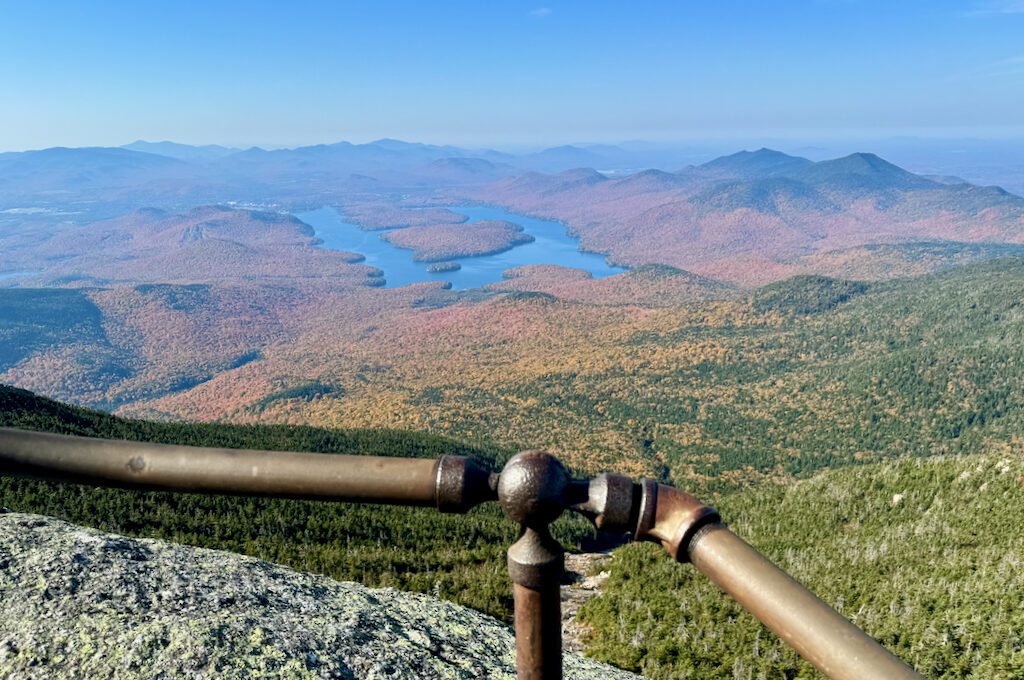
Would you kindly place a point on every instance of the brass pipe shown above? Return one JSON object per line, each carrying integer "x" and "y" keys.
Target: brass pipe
{"x": 820, "y": 634}
{"x": 139, "y": 465}
{"x": 538, "y": 626}
{"x": 692, "y": 532}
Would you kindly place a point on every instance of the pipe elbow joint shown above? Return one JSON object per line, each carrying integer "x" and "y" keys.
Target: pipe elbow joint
{"x": 671, "y": 517}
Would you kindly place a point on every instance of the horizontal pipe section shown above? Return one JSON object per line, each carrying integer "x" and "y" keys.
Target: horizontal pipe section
{"x": 146, "y": 466}
{"x": 817, "y": 632}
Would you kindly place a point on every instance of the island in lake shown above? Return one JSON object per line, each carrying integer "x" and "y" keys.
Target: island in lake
{"x": 441, "y": 267}
{"x": 441, "y": 242}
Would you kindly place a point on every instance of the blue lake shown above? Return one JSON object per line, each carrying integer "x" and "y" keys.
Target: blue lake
{"x": 552, "y": 245}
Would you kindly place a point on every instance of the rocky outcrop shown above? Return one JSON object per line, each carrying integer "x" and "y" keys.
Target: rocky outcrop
{"x": 75, "y": 602}
{"x": 586, "y": 573}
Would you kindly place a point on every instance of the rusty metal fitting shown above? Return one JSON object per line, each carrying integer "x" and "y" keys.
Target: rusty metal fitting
{"x": 611, "y": 502}
{"x": 671, "y": 517}
{"x": 532, "y": 488}
{"x": 536, "y": 560}
{"x": 462, "y": 483}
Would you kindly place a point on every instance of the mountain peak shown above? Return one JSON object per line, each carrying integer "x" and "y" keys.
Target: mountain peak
{"x": 392, "y": 143}
{"x": 583, "y": 173}
{"x": 864, "y": 161}
{"x": 866, "y": 170}
{"x": 184, "y": 152}
{"x": 653, "y": 180}
{"x": 578, "y": 177}
{"x": 761, "y": 162}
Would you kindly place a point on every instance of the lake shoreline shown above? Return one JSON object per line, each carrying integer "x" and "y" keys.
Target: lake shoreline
{"x": 552, "y": 244}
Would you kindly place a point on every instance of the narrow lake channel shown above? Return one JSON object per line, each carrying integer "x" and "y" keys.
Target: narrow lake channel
{"x": 552, "y": 245}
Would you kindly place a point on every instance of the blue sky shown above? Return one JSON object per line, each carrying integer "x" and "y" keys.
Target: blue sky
{"x": 506, "y": 73}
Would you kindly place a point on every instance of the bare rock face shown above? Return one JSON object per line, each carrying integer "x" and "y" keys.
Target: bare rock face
{"x": 76, "y": 603}
{"x": 587, "y": 573}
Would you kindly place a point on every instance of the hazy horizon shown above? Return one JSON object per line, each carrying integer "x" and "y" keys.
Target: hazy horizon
{"x": 518, "y": 74}
{"x": 732, "y": 144}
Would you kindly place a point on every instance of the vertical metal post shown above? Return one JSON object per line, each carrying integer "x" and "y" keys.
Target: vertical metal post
{"x": 535, "y": 564}
{"x": 531, "y": 490}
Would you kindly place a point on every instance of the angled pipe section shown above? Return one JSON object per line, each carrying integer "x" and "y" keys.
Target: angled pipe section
{"x": 820, "y": 634}
{"x": 693, "y": 532}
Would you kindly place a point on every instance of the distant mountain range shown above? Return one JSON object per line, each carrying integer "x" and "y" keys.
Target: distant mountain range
{"x": 747, "y": 218}
{"x": 757, "y": 216}
{"x": 184, "y": 152}
{"x": 168, "y": 174}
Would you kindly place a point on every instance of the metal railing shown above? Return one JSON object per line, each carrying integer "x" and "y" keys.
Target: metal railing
{"x": 533, "y": 489}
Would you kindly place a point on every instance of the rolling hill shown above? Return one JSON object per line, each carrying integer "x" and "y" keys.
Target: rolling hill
{"x": 104, "y": 181}
{"x": 207, "y": 244}
{"x": 751, "y": 164}
{"x": 747, "y": 219}
{"x": 184, "y": 152}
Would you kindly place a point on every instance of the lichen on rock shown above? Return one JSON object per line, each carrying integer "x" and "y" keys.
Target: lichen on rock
{"x": 80, "y": 603}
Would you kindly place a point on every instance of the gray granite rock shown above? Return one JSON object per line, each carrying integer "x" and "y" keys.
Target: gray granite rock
{"x": 76, "y": 602}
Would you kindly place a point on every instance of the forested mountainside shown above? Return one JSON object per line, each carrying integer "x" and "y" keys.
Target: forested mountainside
{"x": 802, "y": 374}
{"x": 457, "y": 557}
{"x": 807, "y": 373}
{"x": 202, "y": 245}
{"x": 925, "y": 555}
